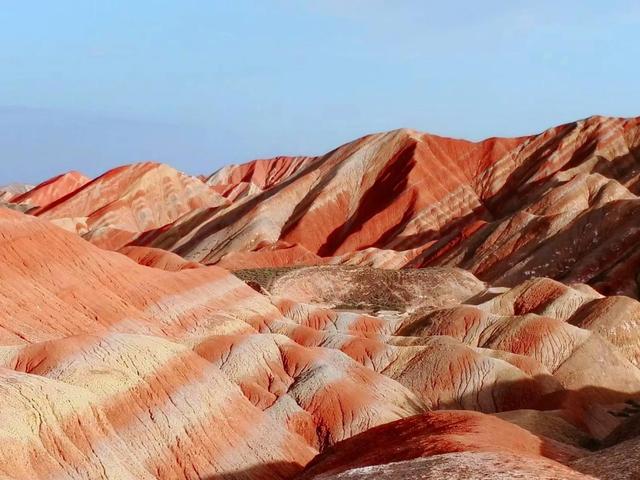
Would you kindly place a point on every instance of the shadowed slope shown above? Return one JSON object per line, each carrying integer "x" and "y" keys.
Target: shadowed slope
{"x": 501, "y": 208}
{"x": 169, "y": 371}
{"x": 439, "y": 433}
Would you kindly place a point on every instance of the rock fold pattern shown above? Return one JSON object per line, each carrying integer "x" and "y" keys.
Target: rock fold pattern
{"x": 404, "y": 307}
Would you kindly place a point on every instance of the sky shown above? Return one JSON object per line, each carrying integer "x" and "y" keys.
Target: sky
{"x": 89, "y": 85}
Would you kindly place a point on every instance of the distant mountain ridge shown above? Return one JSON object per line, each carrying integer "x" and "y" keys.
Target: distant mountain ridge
{"x": 499, "y": 208}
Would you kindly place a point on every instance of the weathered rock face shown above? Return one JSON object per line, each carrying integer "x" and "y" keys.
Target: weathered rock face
{"x": 504, "y": 209}
{"x": 504, "y": 355}
{"x": 461, "y": 466}
{"x": 235, "y": 181}
{"x": 164, "y": 368}
{"x": 619, "y": 462}
{"x": 441, "y": 433}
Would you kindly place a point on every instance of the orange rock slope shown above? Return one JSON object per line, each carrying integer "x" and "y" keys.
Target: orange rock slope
{"x": 558, "y": 204}
{"x": 119, "y": 369}
{"x": 52, "y": 190}
{"x": 513, "y": 351}
{"x": 116, "y": 207}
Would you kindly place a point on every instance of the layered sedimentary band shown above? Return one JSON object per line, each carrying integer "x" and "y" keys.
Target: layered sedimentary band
{"x": 405, "y": 306}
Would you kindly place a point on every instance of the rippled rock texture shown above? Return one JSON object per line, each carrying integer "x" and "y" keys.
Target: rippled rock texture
{"x": 405, "y": 306}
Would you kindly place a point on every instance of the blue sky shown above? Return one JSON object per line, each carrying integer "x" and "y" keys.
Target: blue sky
{"x": 90, "y": 85}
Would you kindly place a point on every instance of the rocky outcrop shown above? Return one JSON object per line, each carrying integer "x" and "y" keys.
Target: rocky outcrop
{"x": 462, "y": 466}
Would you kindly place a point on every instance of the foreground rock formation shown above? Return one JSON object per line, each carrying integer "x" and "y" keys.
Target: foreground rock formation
{"x": 114, "y": 367}
{"x": 439, "y": 435}
{"x": 511, "y": 351}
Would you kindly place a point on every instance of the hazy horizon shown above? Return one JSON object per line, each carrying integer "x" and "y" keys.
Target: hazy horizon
{"x": 201, "y": 84}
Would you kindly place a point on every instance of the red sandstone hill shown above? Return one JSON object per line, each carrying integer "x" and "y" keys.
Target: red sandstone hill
{"x": 235, "y": 181}
{"x": 559, "y": 204}
{"x": 160, "y": 369}
{"x": 114, "y": 208}
{"x": 504, "y": 209}
{"x": 52, "y": 190}
{"x": 509, "y": 351}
